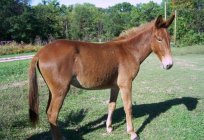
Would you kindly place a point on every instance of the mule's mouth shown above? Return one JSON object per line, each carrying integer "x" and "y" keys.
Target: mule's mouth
{"x": 167, "y": 63}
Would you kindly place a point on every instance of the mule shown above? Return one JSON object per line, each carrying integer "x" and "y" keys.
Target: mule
{"x": 85, "y": 65}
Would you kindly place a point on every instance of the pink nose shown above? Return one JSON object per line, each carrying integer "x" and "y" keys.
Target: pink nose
{"x": 167, "y": 63}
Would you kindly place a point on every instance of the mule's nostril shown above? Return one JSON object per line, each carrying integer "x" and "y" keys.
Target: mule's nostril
{"x": 167, "y": 63}
{"x": 168, "y": 66}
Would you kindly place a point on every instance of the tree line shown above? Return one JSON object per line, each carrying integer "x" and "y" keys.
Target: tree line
{"x": 50, "y": 20}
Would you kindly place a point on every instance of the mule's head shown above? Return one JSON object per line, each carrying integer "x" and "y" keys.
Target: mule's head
{"x": 161, "y": 41}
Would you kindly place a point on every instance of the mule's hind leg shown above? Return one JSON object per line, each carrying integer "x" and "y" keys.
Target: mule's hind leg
{"x": 49, "y": 100}
{"x": 56, "y": 101}
{"x": 111, "y": 108}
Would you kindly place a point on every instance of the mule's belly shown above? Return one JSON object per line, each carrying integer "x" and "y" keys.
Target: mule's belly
{"x": 92, "y": 84}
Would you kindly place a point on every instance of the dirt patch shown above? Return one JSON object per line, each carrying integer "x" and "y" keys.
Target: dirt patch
{"x": 10, "y": 59}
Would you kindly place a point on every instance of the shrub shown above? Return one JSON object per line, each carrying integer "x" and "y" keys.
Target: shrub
{"x": 192, "y": 38}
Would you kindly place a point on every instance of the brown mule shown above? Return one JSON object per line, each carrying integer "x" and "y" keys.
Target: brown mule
{"x": 85, "y": 65}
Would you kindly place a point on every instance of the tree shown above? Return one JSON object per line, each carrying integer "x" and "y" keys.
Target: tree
{"x": 190, "y": 25}
{"x": 22, "y": 22}
{"x": 83, "y": 22}
{"x": 48, "y": 20}
{"x": 9, "y": 9}
{"x": 117, "y": 19}
{"x": 149, "y": 11}
{"x": 21, "y": 27}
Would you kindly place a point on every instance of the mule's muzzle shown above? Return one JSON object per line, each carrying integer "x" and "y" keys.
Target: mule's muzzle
{"x": 167, "y": 63}
{"x": 168, "y": 66}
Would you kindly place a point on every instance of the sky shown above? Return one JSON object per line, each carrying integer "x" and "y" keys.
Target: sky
{"x": 99, "y": 3}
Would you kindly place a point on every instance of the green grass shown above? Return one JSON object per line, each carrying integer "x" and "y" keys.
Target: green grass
{"x": 13, "y": 72}
{"x": 167, "y": 105}
{"x": 197, "y": 49}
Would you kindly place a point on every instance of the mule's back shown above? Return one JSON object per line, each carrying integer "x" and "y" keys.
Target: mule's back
{"x": 90, "y": 65}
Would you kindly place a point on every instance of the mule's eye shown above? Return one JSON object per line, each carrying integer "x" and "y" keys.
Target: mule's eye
{"x": 159, "y": 38}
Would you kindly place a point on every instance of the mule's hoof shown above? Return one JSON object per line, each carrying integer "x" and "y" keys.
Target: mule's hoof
{"x": 134, "y": 136}
{"x": 109, "y": 129}
{"x": 137, "y": 138}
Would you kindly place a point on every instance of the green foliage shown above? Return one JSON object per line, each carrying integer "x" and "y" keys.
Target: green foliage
{"x": 84, "y": 22}
{"x": 20, "y": 29}
{"x": 50, "y": 20}
{"x": 143, "y": 13}
{"x": 190, "y": 25}
{"x": 117, "y": 19}
{"x": 8, "y": 10}
{"x": 47, "y": 21}
{"x": 191, "y": 38}
{"x": 149, "y": 11}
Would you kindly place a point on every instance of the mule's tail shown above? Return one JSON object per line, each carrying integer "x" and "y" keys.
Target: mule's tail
{"x": 33, "y": 92}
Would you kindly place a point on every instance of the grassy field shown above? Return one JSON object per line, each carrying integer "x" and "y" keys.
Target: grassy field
{"x": 167, "y": 105}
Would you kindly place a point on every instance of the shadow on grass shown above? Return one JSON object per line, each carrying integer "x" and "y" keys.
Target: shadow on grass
{"x": 153, "y": 110}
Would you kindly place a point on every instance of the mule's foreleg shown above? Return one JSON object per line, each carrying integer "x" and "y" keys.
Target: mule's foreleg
{"x": 126, "y": 93}
{"x": 111, "y": 108}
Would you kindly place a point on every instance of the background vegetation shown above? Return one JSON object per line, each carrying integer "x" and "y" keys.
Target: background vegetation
{"x": 50, "y": 20}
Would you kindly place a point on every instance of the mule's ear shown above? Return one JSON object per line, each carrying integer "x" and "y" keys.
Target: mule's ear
{"x": 169, "y": 21}
{"x": 159, "y": 22}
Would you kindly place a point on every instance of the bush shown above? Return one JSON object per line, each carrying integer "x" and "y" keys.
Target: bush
{"x": 192, "y": 38}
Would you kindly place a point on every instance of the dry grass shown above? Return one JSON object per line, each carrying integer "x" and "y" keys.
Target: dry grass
{"x": 14, "y": 48}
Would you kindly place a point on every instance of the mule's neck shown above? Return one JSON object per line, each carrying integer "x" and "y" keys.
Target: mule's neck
{"x": 140, "y": 44}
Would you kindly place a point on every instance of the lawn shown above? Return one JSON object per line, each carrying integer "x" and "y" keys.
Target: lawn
{"x": 167, "y": 105}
